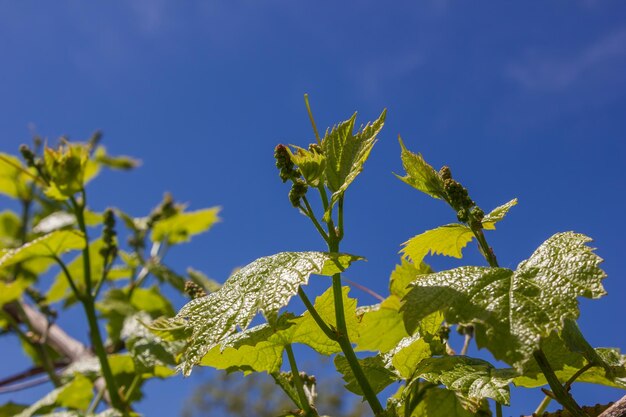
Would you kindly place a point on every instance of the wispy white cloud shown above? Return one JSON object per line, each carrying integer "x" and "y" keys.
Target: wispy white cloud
{"x": 551, "y": 71}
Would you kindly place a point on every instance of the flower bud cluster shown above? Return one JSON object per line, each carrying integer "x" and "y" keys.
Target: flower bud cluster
{"x": 284, "y": 164}
{"x": 298, "y": 190}
{"x": 289, "y": 171}
{"x": 109, "y": 236}
{"x": 458, "y": 197}
{"x": 193, "y": 290}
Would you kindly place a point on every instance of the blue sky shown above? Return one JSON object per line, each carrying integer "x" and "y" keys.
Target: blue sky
{"x": 521, "y": 99}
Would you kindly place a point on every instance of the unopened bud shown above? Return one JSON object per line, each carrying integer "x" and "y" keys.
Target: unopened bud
{"x": 193, "y": 290}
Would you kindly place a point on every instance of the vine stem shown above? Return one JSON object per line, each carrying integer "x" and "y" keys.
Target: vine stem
{"x": 547, "y": 399}
{"x": 318, "y": 319}
{"x": 88, "y": 303}
{"x": 560, "y": 393}
{"x": 498, "y": 409}
{"x": 342, "y": 332}
{"x": 297, "y": 380}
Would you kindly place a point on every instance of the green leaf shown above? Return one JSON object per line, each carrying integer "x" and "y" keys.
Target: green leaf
{"x": 182, "y": 226}
{"x": 147, "y": 350}
{"x": 513, "y": 310}
{"x": 420, "y": 175}
{"x": 497, "y": 214}
{"x": 474, "y": 378}
{"x": 346, "y": 152}
{"x": 266, "y": 285}
{"x": 60, "y": 287}
{"x": 11, "y": 291}
{"x": 311, "y": 164}
{"x": 55, "y": 221}
{"x": 11, "y": 409}
{"x": 306, "y": 330}
{"x": 117, "y": 305}
{"x": 439, "y": 402}
{"x": 9, "y": 229}
{"x": 165, "y": 274}
{"x": 257, "y": 349}
{"x": 407, "y": 354}
{"x": 169, "y": 329}
{"x": 374, "y": 368}
{"x": 75, "y": 395}
{"x": 404, "y": 274}
{"x": 69, "y": 169}
{"x": 14, "y": 178}
{"x": 446, "y": 240}
{"x": 50, "y": 245}
{"x": 565, "y": 362}
{"x": 381, "y": 317}
{"x": 115, "y": 162}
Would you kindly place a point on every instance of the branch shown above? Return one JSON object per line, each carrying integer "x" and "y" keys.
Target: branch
{"x": 57, "y": 338}
{"x": 617, "y": 409}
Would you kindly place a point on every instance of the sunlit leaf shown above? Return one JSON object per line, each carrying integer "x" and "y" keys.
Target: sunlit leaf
{"x": 513, "y": 310}
{"x": 420, "y": 175}
{"x": 346, "y": 152}
{"x": 14, "y": 178}
{"x": 382, "y": 317}
{"x": 497, "y": 214}
{"x": 474, "y": 378}
{"x": 265, "y": 285}
{"x": 182, "y": 226}
{"x": 50, "y": 245}
{"x": 446, "y": 240}
{"x": 404, "y": 274}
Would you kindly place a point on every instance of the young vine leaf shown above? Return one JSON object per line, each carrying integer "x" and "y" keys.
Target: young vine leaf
{"x": 420, "y": 175}
{"x": 446, "y": 240}
{"x": 497, "y": 214}
{"x": 182, "y": 226}
{"x": 266, "y": 285}
{"x": 513, "y": 310}
{"x": 346, "y": 152}
{"x": 51, "y": 245}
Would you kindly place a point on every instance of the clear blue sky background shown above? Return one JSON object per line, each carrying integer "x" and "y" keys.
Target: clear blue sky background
{"x": 521, "y": 99}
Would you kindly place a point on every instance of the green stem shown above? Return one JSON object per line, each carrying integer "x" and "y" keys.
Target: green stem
{"x": 68, "y": 276}
{"x": 340, "y": 218}
{"x": 297, "y": 380}
{"x": 90, "y": 310}
{"x": 547, "y": 399}
{"x": 318, "y": 319}
{"x": 96, "y": 401}
{"x": 498, "y": 409}
{"x": 560, "y": 393}
{"x": 466, "y": 344}
{"x": 485, "y": 248}
{"x": 309, "y": 212}
{"x": 344, "y": 341}
{"x": 133, "y": 386}
{"x": 323, "y": 196}
{"x": 543, "y": 405}
{"x": 308, "y": 109}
